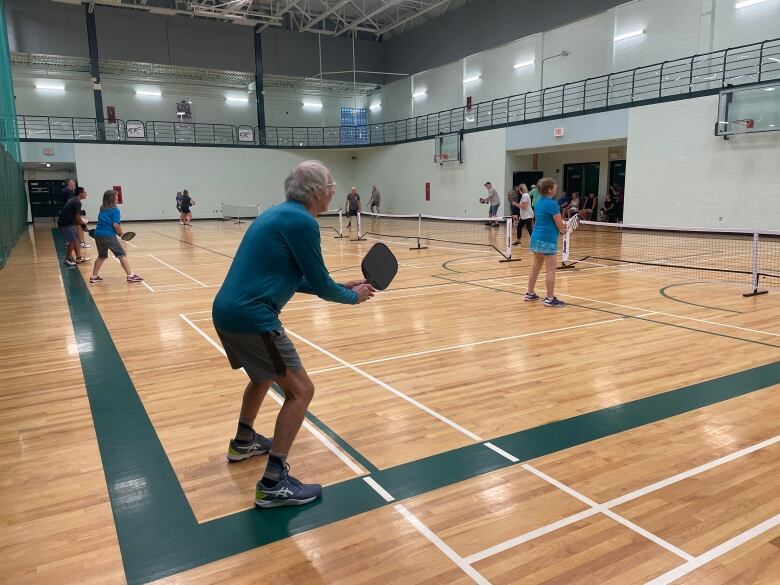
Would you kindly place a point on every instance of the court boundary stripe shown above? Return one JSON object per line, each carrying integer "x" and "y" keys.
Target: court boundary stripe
{"x": 159, "y": 540}
{"x": 469, "y": 344}
{"x": 511, "y": 292}
{"x": 193, "y": 279}
{"x": 277, "y": 396}
{"x": 389, "y": 388}
{"x": 609, "y": 504}
{"x": 475, "y": 575}
{"x": 716, "y": 552}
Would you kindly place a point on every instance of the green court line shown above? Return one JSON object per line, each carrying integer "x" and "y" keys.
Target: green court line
{"x": 158, "y": 533}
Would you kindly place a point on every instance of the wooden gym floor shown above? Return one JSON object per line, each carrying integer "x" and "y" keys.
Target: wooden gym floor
{"x": 463, "y": 435}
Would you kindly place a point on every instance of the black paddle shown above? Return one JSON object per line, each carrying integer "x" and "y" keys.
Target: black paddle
{"x": 379, "y": 266}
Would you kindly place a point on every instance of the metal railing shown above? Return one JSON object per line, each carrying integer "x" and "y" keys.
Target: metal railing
{"x": 676, "y": 79}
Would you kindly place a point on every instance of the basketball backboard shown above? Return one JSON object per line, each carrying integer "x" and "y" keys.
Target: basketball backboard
{"x": 449, "y": 148}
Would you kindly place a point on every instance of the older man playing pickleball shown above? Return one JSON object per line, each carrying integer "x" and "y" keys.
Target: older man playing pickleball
{"x": 279, "y": 256}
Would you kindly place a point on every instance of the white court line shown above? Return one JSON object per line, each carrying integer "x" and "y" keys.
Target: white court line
{"x": 143, "y": 282}
{"x": 179, "y": 271}
{"x": 617, "y": 518}
{"x": 616, "y": 501}
{"x": 716, "y": 552}
{"x": 441, "y": 545}
{"x": 389, "y": 388}
{"x": 306, "y": 424}
{"x": 656, "y": 312}
{"x": 130, "y": 244}
{"x": 672, "y": 315}
{"x": 501, "y": 452}
{"x": 470, "y": 344}
{"x": 528, "y": 536}
{"x": 379, "y": 489}
{"x": 690, "y": 473}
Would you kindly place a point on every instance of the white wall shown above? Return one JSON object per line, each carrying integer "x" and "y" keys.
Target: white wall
{"x": 588, "y": 43}
{"x": 752, "y": 24}
{"x": 401, "y": 171}
{"x": 150, "y": 176}
{"x": 444, "y": 87}
{"x": 680, "y": 174}
{"x": 498, "y": 76}
{"x": 672, "y": 31}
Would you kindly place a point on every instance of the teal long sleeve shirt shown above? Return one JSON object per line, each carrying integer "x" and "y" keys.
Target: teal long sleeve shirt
{"x": 279, "y": 256}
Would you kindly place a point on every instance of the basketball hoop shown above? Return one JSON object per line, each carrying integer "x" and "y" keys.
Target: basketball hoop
{"x": 441, "y": 158}
{"x": 736, "y": 127}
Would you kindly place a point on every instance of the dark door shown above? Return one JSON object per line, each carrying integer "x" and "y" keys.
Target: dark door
{"x": 581, "y": 177}
{"x": 527, "y": 177}
{"x": 617, "y": 173}
{"x": 45, "y": 198}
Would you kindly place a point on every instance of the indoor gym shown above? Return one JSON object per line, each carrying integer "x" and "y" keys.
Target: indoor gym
{"x": 462, "y": 434}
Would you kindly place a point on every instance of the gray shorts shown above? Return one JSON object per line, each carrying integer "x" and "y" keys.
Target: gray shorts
{"x": 105, "y": 243}
{"x": 264, "y": 356}
{"x": 69, "y": 234}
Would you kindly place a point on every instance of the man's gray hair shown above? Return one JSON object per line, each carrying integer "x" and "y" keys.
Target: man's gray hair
{"x": 305, "y": 180}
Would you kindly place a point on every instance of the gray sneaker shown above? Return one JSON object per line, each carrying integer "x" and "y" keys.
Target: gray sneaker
{"x": 288, "y": 491}
{"x": 240, "y": 450}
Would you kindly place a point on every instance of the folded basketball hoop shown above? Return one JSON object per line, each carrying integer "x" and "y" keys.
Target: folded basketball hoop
{"x": 441, "y": 158}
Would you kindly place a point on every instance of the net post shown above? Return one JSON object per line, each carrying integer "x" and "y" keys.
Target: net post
{"x": 507, "y": 254}
{"x": 754, "y": 272}
{"x": 566, "y": 251}
{"x": 419, "y": 234}
{"x": 359, "y": 228}
{"x": 340, "y": 231}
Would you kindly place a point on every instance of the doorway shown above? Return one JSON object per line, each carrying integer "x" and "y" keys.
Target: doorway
{"x": 45, "y": 197}
{"x": 617, "y": 173}
{"x": 581, "y": 177}
{"x": 527, "y": 177}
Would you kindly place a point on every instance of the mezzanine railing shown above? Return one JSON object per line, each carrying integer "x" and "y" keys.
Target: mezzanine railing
{"x": 677, "y": 79}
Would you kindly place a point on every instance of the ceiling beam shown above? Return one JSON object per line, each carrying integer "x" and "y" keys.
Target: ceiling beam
{"x": 354, "y": 24}
{"x": 324, "y": 15}
{"x": 410, "y": 18}
{"x": 290, "y": 5}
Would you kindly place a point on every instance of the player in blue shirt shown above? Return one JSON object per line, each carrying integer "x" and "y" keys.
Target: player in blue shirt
{"x": 106, "y": 231}
{"x": 279, "y": 256}
{"x": 544, "y": 242}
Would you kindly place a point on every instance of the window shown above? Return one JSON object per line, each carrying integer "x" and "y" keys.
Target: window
{"x": 353, "y": 126}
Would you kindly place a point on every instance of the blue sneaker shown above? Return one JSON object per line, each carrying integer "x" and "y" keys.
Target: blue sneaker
{"x": 240, "y": 450}
{"x": 530, "y": 296}
{"x": 553, "y": 302}
{"x": 288, "y": 491}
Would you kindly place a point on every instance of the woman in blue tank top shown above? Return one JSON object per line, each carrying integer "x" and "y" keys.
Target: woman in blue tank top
{"x": 544, "y": 241}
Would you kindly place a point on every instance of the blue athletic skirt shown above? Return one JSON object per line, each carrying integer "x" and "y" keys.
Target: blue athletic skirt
{"x": 542, "y": 247}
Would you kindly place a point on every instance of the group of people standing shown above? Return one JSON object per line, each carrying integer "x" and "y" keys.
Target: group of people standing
{"x": 352, "y": 205}
{"x": 72, "y": 223}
